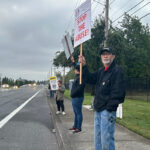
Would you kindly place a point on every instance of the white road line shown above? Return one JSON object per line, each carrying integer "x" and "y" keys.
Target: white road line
{"x": 7, "y": 118}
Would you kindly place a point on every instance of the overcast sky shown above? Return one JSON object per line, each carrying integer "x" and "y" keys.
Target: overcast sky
{"x": 31, "y": 32}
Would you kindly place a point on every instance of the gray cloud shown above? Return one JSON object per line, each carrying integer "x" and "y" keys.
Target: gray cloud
{"x": 31, "y": 33}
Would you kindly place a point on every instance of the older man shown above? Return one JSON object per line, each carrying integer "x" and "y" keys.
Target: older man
{"x": 110, "y": 91}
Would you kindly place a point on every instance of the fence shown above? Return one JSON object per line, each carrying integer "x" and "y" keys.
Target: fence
{"x": 138, "y": 89}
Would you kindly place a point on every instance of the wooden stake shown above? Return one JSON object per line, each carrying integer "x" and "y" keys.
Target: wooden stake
{"x": 68, "y": 46}
{"x": 81, "y": 64}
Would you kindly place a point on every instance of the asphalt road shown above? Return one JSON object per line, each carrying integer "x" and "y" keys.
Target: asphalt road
{"x": 25, "y": 121}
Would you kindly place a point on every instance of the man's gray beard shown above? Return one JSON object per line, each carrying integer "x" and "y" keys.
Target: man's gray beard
{"x": 106, "y": 62}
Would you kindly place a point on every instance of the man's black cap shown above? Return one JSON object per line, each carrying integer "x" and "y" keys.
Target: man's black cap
{"x": 109, "y": 50}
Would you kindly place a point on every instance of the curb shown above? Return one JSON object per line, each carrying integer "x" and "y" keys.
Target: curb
{"x": 61, "y": 136}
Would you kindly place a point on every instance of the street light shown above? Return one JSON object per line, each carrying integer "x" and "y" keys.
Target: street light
{"x": 53, "y": 69}
{"x": 0, "y": 80}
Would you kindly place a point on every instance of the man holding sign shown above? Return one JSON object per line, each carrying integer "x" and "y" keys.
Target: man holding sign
{"x": 110, "y": 91}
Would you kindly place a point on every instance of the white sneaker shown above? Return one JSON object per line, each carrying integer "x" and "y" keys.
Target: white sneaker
{"x": 58, "y": 112}
{"x": 63, "y": 113}
{"x": 53, "y": 130}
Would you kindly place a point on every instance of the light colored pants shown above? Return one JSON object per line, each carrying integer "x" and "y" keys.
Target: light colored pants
{"x": 104, "y": 128}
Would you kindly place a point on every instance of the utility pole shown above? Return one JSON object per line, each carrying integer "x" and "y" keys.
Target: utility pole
{"x": 0, "y": 80}
{"x": 106, "y": 22}
{"x": 54, "y": 71}
{"x": 51, "y": 71}
{"x": 64, "y": 75}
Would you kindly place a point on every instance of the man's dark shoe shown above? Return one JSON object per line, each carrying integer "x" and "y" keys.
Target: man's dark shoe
{"x": 72, "y": 129}
{"x": 77, "y": 131}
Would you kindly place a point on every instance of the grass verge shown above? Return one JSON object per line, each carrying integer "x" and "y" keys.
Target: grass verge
{"x": 136, "y": 114}
{"x": 136, "y": 117}
{"x": 87, "y": 97}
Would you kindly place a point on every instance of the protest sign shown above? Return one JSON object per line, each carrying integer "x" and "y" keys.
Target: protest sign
{"x": 82, "y": 27}
{"x": 67, "y": 44}
{"x": 53, "y": 83}
{"x": 82, "y": 23}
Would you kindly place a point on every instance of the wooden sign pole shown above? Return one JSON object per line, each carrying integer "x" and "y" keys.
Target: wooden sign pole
{"x": 81, "y": 64}
{"x": 68, "y": 46}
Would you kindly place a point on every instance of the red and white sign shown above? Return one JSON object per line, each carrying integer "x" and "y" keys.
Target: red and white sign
{"x": 82, "y": 23}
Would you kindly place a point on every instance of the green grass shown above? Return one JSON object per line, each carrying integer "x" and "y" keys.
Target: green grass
{"x": 136, "y": 114}
{"x": 67, "y": 94}
{"x": 136, "y": 117}
{"x": 87, "y": 97}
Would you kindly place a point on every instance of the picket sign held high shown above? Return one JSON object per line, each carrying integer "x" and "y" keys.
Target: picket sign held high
{"x": 82, "y": 31}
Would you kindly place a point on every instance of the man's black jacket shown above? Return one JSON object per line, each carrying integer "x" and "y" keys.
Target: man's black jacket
{"x": 77, "y": 90}
{"x": 110, "y": 87}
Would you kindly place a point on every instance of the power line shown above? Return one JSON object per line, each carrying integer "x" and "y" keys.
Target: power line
{"x": 77, "y": 4}
{"x": 112, "y": 2}
{"x": 94, "y": 9}
{"x": 122, "y": 6}
{"x": 144, "y": 16}
{"x": 98, "y": 2}
{"x": 101, "y": 14}
{"x": 128, "y": 11}
{"x": 140, "y": 8}
{"x": 96, "y": 6}
{"x": 78, "y": 1}
{"x": 106, "y": 22}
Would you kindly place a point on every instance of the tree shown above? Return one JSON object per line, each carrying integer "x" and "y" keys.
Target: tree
{"x": 8, "y": 81}
{"x": 61, "y": 60}
{"x": 70, "y": 75}
{"x": 93, "y": 46}
{"x": 137, "y": 47}
{"x": 59, "y": 76}
{"x": 131, "y": 44}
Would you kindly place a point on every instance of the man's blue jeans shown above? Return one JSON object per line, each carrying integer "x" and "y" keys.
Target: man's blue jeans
{"x": 104, "y": 128}
{"x": 77, "y": 108}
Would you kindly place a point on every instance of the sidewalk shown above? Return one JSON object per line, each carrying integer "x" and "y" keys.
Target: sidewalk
{"x": 125, "y": 139}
